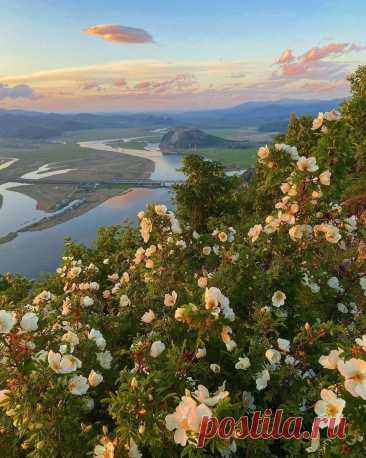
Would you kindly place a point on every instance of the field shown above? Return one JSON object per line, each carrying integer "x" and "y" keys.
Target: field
{"x": 229, "y": 157}
{"x": 65, "y": 149}
{"x": 233, "y": 158}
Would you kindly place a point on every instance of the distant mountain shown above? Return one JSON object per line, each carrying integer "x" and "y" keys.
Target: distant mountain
{"x": 183, "y": 138}
{"x": 38, "y": 126}
{"x": 255, "y": 114}
{"x": 33, "y": 125}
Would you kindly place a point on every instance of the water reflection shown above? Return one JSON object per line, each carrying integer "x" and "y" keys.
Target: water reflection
{"x": 17, "y": 209}
{"x": 34, "y": 252}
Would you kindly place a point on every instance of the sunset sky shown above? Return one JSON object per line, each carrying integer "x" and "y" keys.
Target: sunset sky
{"x": 89, "y": 55}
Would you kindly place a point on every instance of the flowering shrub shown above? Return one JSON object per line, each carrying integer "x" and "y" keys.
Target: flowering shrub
{"x": 131, "y": 343}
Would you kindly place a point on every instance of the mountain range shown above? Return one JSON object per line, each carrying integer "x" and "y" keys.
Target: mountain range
{"x": 267, "y": 116}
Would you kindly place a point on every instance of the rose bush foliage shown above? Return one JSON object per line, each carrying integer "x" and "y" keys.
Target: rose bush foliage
{"x": 131, "y": 342}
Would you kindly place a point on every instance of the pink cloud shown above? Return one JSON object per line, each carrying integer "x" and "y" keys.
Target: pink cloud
{"x": 318, "y": 53}
{"x": 286, "y": 57}
{"x": 313, "y": 64}
{"x": 119, "y": 33}
{"x": 120, "y": 83}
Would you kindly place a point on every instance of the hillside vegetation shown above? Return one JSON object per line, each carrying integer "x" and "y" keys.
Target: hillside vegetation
{"x": 249, "y": 297}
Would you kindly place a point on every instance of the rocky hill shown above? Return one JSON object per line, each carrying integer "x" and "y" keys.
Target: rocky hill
{"x": 184, "y": 138}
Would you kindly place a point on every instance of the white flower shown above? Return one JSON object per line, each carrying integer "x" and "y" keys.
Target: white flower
{"x": 149, "y": 264}
{"x": 283, "y": 344}
{"x": 181, "y": 244}
{"x": 66, "y": 306}
{"x": 98, "y": 338}
{"x": 174, "y": 223}
{"x": 63, "y": 364}
{"x": 342, "y": 308}
{"x": 307, "y": 164}
{"x": 262, "y": 380}
{"x": 324, "y": 178}
{"x": 104, "y": 451}
{"x": 298, "y": 231}
{"x": 329, "y": 407}
{"x": 29, "y": 322}
{"x": 318, "y": 122}
{"x": 216, "y": 249}
{"x": 133, "y": 450}
{"x": 201, "y": 353}
{"x": 333, "y": 283}
{"x": 214, "y": 298}
{"x": 331, "y": 232}
{"x": 180, "y": 314}
{"x": 195, "y": 235}
{"x": 95, "y": 378}
{"x": 140, "y": 214}
{"x": 43, "y": 297}
{"x": 285, "y": 187}
{"x": 145, "y": 228}
{"x": 206, "y": 250}
{"x": 215, "y": 368}
{"x": 362, "y": 342}
{"x": 278, "y": 298}
{"x": 157, "y": 348}
{"x": 203, "y": 395}
{"x": 105, "y": 359}
{"x": 124, "y": 301}
{"x": 230, "y": 345}
{"x": 263, "y": 152}
{"x": 78, "y": 385}
{"x": 186, "y": 419}
{"x": 222, "y": 236}
{"x": 354, "y": 372}
{"x": 160, "y": 209}
{"x": 333, "y": 115}
{"x": 148, "y": 317}
{"x": 4, "y": 398}
{"x": 290, "y": 360}
{"x": 273, "y": 356}
{"x": 170, "y": 299}
{"x": 255, "y": 231}
{"x": 292, "y": 151}
{"x": 7, "y": 321}
{"x": 242, "y": 364}
{"x": 211, "y": 298}
{"x": 87, "y": 301}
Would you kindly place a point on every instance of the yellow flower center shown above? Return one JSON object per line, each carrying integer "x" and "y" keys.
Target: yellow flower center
{"x": 332, "y": 410}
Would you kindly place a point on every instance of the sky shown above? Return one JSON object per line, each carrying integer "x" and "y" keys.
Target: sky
{"x": 144, "y": 55}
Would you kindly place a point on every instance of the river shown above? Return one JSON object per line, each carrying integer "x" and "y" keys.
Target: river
{"x": 34, "y": 252}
